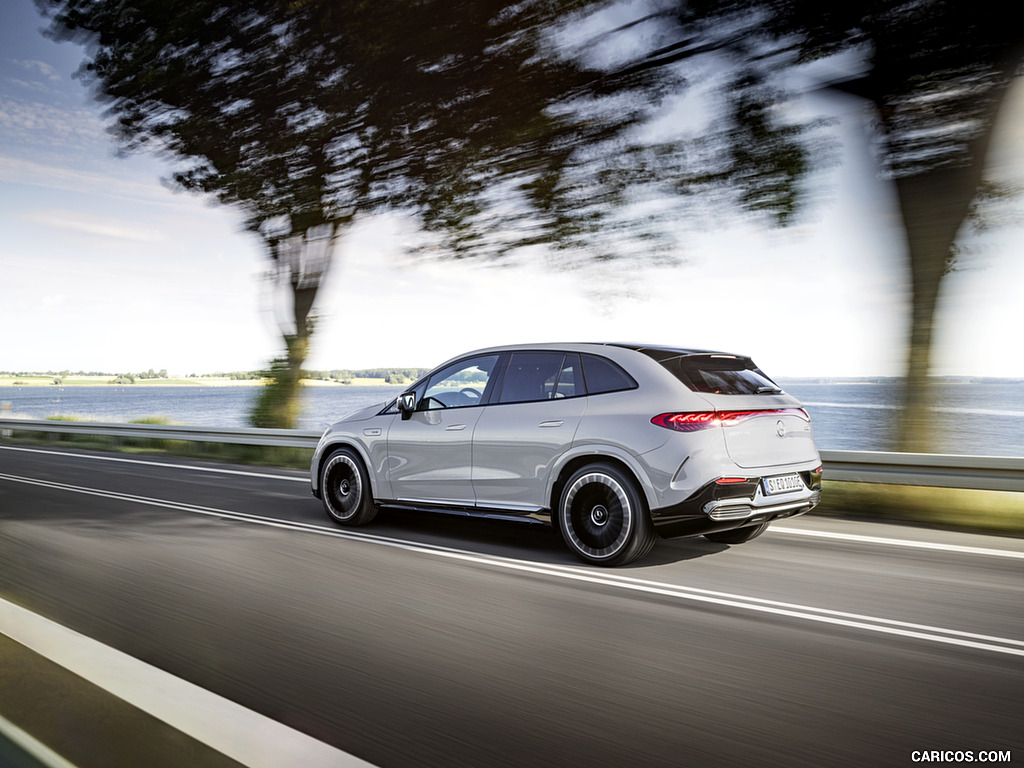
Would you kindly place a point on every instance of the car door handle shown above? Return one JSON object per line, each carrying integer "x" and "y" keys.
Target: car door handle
{"x": 455, "y": 427}
{"x": 556, "y": 423}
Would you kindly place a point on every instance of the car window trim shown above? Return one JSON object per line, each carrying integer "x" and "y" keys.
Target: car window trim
{"x": 492, "y": 389}
{"x": 558, "y": 378}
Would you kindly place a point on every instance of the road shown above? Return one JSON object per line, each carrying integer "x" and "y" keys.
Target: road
{"x": 445, "y": 641}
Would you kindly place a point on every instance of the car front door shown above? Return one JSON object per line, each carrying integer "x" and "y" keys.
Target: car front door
{"x": 430, "y": 452}
{"x": 530, "y": 422}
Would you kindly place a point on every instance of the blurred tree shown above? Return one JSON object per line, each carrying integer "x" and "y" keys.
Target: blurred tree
{"x": 304, "y": 114}
{"x": 936, "y": 72}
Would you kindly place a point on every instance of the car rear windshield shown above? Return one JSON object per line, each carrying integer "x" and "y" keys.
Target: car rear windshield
{"x": 716, "y": 374}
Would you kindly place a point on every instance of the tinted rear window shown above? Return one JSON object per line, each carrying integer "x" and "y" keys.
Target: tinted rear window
{"x": 531, "y": 376}
{"x": 716, "y": 374}
{"x": 536, "y": 376}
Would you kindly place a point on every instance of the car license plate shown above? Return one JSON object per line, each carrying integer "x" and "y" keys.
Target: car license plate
{"x": 783, "y": 484}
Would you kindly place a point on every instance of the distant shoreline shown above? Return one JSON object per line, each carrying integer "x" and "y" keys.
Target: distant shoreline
{"x": 201, "y": 381}
{"x": 44, "y": 380}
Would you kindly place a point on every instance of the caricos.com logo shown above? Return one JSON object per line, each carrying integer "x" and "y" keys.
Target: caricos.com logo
{"x": 960, "y": 756}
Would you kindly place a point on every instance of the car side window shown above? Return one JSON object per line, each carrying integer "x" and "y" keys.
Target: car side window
{"x": 532, "y": 376}
{"x": 459, "y": 385}
{"x": 602, "y": 375}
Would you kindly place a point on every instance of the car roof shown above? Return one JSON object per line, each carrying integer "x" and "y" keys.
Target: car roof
{"x": 671, "y": 350}
{"x": 597, "y": 346}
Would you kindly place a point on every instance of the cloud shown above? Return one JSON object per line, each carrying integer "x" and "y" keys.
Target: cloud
{"x": 34, "y": 124}
{"x": 27, "y": 84}
{"x": 33, "y": 75}
{"x": 52, "y": 302}
{"x": 54, "y": 175}
{"x": 75, "y": 222}
{"x": 44, "y": 69}
{"x": 69, "y": 149}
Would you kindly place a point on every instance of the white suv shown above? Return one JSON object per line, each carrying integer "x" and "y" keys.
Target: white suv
{"x": 613, "y": 444}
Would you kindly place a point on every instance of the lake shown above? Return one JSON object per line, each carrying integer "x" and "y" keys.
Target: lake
{"x": 979, "y": 417}
{"x": 983, "y": 418}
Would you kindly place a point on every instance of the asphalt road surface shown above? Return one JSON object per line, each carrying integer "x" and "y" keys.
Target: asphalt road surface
{"x": 447, "y": 641}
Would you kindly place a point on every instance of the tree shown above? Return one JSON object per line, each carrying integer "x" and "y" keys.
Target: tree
{"x": 307, "y": 114}
{"x": 936, "y": 72}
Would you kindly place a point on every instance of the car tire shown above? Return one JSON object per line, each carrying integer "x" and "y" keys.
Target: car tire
{"x": 737, "y": 535}
{"x": 346, "y": 489}
{"x": 603, "y": 518}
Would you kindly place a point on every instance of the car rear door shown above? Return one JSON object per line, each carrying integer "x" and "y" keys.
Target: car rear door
{"x": 530, "y": 422}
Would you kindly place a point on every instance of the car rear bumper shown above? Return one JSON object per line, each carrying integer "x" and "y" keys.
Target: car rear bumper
{"x": 717, "y": 507}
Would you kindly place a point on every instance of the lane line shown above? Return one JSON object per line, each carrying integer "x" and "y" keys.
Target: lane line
{"x": 900, "y": 542}
{"x": 165, "y": 464}
{"x": 608, "y": 579}
{"x": 823, "y": 611}
{"x": 851, "y": 537}
{"x": 250, "y": 738}
{"x": 32, "y": 746}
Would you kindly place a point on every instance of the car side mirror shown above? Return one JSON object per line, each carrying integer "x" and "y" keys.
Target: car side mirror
{"x": 407, "y": 404}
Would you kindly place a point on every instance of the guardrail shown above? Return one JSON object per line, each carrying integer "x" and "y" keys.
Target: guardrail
{"x": 986, "y": 473}
{"x": 990, "y": 473}
{"x": 287, "y": 438}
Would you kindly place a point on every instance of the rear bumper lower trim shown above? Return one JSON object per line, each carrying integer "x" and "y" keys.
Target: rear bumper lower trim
{"x": 718, "y": 507}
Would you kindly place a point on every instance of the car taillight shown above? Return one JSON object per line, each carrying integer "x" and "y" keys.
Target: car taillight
{"x": 694, "y": 421}
{"x": 686, "y": 422}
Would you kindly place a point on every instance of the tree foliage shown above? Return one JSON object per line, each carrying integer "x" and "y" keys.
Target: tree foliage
{"x": 935, "y": 71}
{"x": 306, "y": 114}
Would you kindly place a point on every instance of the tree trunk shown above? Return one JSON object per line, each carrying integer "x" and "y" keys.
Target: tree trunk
{"x": 278, "y": 403}
{"x": 935, "y": 204}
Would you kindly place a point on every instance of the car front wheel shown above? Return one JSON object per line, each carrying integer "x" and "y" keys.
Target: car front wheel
{"x": 603, "y": 518}
{"x": 346, "y": 489}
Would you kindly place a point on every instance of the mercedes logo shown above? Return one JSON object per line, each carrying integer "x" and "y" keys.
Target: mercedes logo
{"x": 780, "y": 428}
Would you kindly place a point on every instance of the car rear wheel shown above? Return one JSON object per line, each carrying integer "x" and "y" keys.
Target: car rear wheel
{"x": 737, "y": 535}
{"x": 346, "y": 489}
{"x": 603, "y": 518}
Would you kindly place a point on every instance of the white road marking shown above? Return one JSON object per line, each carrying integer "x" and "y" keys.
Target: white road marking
{"x": 773, "y": 530}
{"x": 189, "y": 467}
{"x": 32, "y": 746}
{"x": 243, "y": 735}
{"x": 899, "y": 542}
{"x": 608, "y": 579}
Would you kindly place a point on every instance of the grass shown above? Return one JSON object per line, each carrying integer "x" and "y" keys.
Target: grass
{"x": 961, "y": 509}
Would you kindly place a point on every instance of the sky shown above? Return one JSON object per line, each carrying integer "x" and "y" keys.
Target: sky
{"x": 104, "y": 268}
